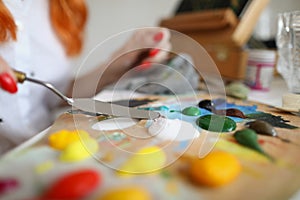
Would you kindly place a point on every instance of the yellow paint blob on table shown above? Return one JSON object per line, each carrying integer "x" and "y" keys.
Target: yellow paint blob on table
{"x": 79, "y": 150}
{"x": 44, "y": 167}
{"x": 126, "y": 193}
{"x": 61, "y": 139}
{"x": 146, "y": 160}
{"x": 216, "y": 169}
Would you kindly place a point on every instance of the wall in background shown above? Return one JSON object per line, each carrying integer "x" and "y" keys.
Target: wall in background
{"x": 110, "y": 17}
{"x": 266, "y": 28}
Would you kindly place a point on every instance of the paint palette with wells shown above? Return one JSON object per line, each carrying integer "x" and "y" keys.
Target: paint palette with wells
{"x": 203, "y": 148}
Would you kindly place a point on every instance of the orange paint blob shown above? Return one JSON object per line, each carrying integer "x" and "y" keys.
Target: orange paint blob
{"x": 216, "y": 169}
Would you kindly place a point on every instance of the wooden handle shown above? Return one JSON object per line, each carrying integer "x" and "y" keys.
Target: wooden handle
{"x": 21, "y": 76}
{"x": 245, "y": 28}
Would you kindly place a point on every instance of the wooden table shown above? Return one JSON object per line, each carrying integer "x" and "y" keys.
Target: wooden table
{"x": 260, "y": 178}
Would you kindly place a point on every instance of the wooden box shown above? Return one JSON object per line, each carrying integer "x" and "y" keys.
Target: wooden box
{"x": 221, "y": 34}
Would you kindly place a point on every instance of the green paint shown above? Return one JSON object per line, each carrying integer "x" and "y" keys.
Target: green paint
{"x": 240, "y": 150}
{"x": 191, "y": 111}
{"x": 165, "y": 174}
{"x": 276, "y": 121}
{"x": 216, "y": 123}
{"x": 116, "y": 136}
{"x": 237, "y": 90}
{"x": 248, "y": 137}
{"x": 264, "y": 128}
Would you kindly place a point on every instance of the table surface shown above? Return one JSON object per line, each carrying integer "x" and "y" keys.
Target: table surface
{"x": 272, "y": 97}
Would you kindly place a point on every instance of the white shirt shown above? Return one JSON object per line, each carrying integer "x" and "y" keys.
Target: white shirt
{"x": 39, "y": 54}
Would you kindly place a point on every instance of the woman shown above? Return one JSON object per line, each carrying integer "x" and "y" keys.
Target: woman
{"x": 40, "y": 38}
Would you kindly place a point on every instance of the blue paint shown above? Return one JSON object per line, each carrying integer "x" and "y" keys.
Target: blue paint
{"x": 182, "y": 145}
{"x": 220, "y": 104}
{"x": 158, "y": 108}
{"x": 236, "y": 119}
{"x": 115, "y": 136}
{"x": 174, "y": 111}
{"x": 148, "y": 123}
{"x": 245, "y": 109}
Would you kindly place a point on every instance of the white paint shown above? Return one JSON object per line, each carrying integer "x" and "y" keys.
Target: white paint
{"x": 114, "y": 124}
{"x": 173, "y": 129}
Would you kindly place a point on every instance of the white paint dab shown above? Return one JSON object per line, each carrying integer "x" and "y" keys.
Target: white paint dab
{"x": 114, "y": 124}
{"x": 173, "y": 129}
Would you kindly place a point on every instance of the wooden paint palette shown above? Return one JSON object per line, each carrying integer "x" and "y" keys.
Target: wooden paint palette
{"x": 38, "y": 165}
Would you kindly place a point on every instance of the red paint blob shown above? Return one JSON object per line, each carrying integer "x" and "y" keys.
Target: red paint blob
{"x": 75, "y": 185}
{"x": 261, "y": 142}
{"x": 7, "y": 185}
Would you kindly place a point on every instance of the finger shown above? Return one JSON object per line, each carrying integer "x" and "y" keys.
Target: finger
{"x": 158, "y": 58}
{"x": 8, "y": 83}
{"x": 164, "y": 34}
{"x": 161, "y": 36}
{"x": 151, "y": 37}
{"x": 153, "y": 52}
{"x": 4, "y": 68}
{"x": 159, "y": 54}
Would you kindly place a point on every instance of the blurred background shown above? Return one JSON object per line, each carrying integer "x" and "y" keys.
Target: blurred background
{"x": 110, "y": 17}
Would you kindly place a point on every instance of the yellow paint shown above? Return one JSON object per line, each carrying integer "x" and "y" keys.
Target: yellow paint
{"x": 44, "y": 167}
{"x": 127, "y": 193}
{"x": 79, "y": 150}
{"x": 146, "y": 160}
{"x": 253, "y": 172}
{"x": 240, "y": 151}
{"x": 61, "y": 139}
{"x": 216, "y": 169}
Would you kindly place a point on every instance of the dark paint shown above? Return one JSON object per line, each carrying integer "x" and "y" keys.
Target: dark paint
{"x": 276, "y": 121}
{"x": 262, "y": 127}
{"x": 206, "y": 104}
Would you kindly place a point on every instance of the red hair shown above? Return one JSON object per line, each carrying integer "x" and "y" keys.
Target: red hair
{"x": 68, "y": 18}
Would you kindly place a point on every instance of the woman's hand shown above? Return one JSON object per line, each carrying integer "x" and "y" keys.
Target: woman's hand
{"x": 8, "y": 80}
{"x": 145, "y": 46}
{"x": 152, "y": 43}
{"x": 156, "y": 39}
